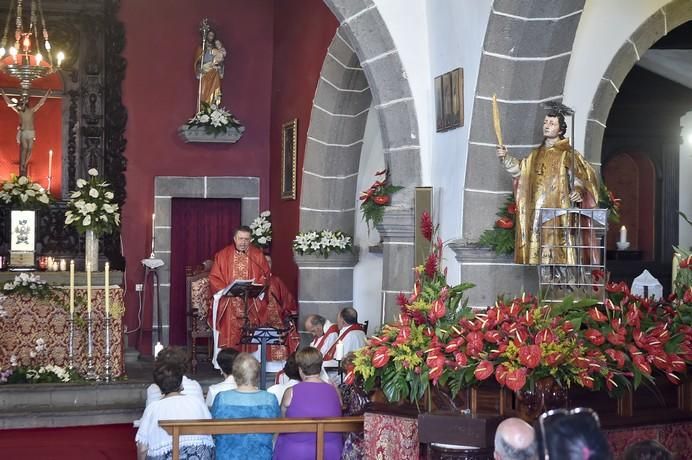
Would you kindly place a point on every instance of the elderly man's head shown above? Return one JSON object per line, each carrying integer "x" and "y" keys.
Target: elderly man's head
{"x": 314, "y": 324}
{"x": 515, "y": 440}
{"x": 346, "y": 317}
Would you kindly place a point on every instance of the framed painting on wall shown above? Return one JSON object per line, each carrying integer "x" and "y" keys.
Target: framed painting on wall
{"x": 289, "y": 149}
{"x": 449, "y": 100}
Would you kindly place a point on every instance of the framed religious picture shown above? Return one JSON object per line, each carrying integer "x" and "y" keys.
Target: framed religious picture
{"x": 449, "y": 100}
{"x": 289, "y": 150}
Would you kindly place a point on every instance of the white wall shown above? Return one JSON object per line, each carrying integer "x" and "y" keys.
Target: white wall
{"x": 367, "y": 274}
{"x": 457, "y": 29}
{"x": 604, "y": 26}
{"x": 685, "y": 237}
{"x": 433, "y": 37}
{"x": 406, "y": 22}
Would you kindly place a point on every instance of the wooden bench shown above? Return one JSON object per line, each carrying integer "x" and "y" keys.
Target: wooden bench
{"x": 177, "y": 428}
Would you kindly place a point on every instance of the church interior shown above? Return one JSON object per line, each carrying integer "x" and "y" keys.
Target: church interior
{"x": 283, "y": 176}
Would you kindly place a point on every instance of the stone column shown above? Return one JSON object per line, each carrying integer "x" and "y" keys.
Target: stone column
{"x": 493, "y": 274}
{"x": 397, "y": 231}
{"x": 325, "y": 285}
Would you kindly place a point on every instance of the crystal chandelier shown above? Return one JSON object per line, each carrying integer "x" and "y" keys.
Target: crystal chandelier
{"x": 28, "y": 57}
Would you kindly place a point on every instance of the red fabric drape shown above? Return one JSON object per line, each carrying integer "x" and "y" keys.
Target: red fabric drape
{"x": 199, "y": 228}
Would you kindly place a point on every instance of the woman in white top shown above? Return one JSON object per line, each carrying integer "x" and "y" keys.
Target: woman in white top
{"x": 153, "y": 443}
{"x": 290, "y": 376}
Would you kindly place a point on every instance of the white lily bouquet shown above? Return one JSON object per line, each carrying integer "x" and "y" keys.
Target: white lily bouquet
{"x": 322, "y": 243}
{"x": 262, "y": 230}
{"x": 91, "y": 206}
{"x": 21, "y": 193}
{"x": 214, "y": 119}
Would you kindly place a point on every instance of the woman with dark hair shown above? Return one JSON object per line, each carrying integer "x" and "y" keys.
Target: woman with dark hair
{"x": 571, "y": 435}
{"x": 153, "y": 443}
{"x": 354, "y": 401}
{"x": 292, "y": 374}
{"x": 314, "y": 398}
{"x": 647, "y": 450}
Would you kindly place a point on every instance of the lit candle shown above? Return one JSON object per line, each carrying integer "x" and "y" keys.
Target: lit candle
{"x": 153, "y": 238}
{"x": 106, "y": 283}
{"x": 88, "y": 273}
{"x": 623, "y": 234}
{"x": 339, "y": 353}
{"x": 50, "y": 162}
{"x": 71, "y": 288}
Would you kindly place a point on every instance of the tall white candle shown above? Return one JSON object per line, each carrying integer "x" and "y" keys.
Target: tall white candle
{"x": 107, "y": 288}
{"x": 50, "y": 169}
{"x": 153, "y": 239}
{"x": 88, "y": 273}
{"x": 71, "y": 288}
{"x": 623, "y": 234}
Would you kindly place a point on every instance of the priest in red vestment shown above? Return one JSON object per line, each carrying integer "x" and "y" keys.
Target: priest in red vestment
{"x": 282, "y": 309}
{"x": 239, "y": 261}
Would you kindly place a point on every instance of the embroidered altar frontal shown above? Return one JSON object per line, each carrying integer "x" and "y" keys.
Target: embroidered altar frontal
{"x": 28, "y": 319}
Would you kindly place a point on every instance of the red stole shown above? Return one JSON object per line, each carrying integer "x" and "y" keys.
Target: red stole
{"x": 333, "y": 329}
{"x": 329, "y": 355}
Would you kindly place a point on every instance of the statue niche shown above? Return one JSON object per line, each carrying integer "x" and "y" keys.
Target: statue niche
{"x": 73, "y": 122}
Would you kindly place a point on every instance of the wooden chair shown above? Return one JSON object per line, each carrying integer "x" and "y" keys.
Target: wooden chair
{"x": 199, "y": 300}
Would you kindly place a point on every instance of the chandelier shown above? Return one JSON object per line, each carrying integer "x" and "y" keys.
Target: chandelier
{"x": 29, "y": 57}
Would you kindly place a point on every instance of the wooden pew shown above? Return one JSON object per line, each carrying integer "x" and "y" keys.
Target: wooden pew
{"x": 177, "y": 428}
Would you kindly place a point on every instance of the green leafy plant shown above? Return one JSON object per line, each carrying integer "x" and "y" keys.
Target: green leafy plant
{"x": 375, "y": 198}
{"x": 606, "y": 200}
{"x": 500, "y": 238}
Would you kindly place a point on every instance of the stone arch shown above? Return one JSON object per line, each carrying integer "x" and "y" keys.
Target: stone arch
{"x": 670, "y": 16}
{"x": 526, "y": 52}
{"x": 362, "y": 68}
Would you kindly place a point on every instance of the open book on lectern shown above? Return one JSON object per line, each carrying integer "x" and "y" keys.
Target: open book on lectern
{"x": 238, "y": 288}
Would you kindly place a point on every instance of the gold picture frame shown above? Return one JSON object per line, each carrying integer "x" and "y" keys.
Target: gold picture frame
{"x": 289, "y": 154}
{"x": 449, "y": 100}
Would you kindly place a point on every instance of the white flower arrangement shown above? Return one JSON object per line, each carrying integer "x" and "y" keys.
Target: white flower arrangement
{"x": 22, "y": 193}
{"x": 262, "y": 230}
{"x": 91, "y": 206}
{"x": 27, "y": 284}
{"x": 323, "y": 242}
{"x": 214, "y": 119}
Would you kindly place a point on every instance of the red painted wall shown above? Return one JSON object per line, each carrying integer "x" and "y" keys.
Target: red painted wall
{"x": 160, "y": 93}
{"x": 48, "y": 127}
{"x": 303, "y": 31}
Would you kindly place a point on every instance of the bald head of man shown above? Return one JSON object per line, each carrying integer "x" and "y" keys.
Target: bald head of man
{"x": 515, "y": 440}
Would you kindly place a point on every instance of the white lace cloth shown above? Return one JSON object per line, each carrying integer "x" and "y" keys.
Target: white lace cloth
{"x": 171, "y": 408}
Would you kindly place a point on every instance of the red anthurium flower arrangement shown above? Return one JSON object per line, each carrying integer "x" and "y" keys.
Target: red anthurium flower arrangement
{"x": 438, "y": 341}
{"x": 376, "y": 197}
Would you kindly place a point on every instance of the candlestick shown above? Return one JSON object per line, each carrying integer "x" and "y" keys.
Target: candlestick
{"x": 50, "y": 168}
{"x": 107, "y": 355}
{"x": 107, "y": 289}
{"x": 71, "y": 288}
{"x": 88, "y": 273}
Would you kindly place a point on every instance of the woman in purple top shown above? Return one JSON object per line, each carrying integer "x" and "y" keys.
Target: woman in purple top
{"x": 309, "y": 398}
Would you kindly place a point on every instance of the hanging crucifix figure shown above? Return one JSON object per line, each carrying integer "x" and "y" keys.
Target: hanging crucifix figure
{"x": 26, "y": 133}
